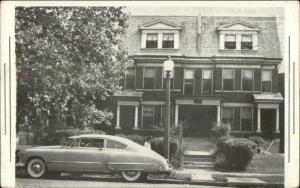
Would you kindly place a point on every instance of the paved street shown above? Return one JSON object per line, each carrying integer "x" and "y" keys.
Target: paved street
{"x": 74, "y": 182}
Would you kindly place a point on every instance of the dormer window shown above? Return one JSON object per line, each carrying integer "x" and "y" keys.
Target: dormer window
{"x": 238, "y": 36}
{"x": 246, "y": 43}
{"x": 159, "y": 35}
{"x": 230, "y": 42}
{"x": 151, "y": 41}
{"x": 168, "y": 40}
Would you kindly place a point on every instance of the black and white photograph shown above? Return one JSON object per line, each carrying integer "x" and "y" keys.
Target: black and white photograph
{"x": 133, "y": 94}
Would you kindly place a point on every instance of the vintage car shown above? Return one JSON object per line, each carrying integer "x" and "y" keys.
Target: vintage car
{"x": 94, "y": 153}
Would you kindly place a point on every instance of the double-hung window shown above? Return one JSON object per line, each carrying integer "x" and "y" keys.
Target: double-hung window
{"x": 149, "y": 78}
{"x": 207, "y": 81}
{"x": 152, "y": 116}
{"x": 246, "y": 119}
{"x": 129, "y": 78}
{"x": 228, "y": 79}
{"x": 171, "y": 80}
{"x": 227, "y": 116}
{"x": 152, "y": 40}
{"x": 266, "y": 81}
{"x": 246, "y": 43}
{"x": 189, "y": 81}
{"x": 168, "y": 40}
{"x": 247, "y": 79}
{"x": 230, "y": 42}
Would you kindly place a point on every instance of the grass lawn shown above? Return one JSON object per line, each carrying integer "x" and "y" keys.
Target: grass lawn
{"x": 267, "y": 164}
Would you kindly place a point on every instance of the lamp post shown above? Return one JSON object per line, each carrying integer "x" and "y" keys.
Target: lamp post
{"x": 168, "y": 68}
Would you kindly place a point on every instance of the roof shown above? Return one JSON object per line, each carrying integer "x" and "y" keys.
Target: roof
{"x": 160, "y": 22}
{"x": 268, "y": 97}
{"x": 268, "y": 42}
{"x": 105, "y": 136}
{"x": 199, "y": 36}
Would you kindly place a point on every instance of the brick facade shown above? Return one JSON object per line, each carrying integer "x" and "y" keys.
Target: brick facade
{"x": 199, "y": 51}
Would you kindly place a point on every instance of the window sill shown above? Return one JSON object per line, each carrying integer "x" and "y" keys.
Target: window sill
{"x": 237, "y": 50}
{"x": 236, "y": 91}
{"x": 160, "y": 49}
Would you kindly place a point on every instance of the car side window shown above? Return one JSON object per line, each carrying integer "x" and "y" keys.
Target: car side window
{"x": 114, "y": 145}
{"x": 95, "y": 143}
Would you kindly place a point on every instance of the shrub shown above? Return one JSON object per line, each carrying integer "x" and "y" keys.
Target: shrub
{"x": 136, "y": 138}
{"x": 234, "y": 153}
{"x": 157, "y": 144}
{"x": 259, "y": 141}
{"x": 221, "y": 130}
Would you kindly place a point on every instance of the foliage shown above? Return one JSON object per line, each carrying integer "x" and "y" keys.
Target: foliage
{"x": 259, "y": 141}
{"x": 136, "y": 138}
{"x": 69, "y": 60}
{"x": 234, "y": 153}
{"x": 221, "y": 130}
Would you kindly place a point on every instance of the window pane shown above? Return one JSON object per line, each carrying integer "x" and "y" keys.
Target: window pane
{"x": 266, "y": 75}
{"x": 207, "y": 85}
{"x": 230, "y": 38}
{"x": 246, "y": 43}
{"x": 189, "y": 74}
{"x": 207, "y": 74}
{"x": 246, "y": 113}
{"x": 114, "y": 145}
{"x": 246, "y": 38}
{"x": 148, "y": 117}
{"x": 151, "y": 41}
{"x": 246, "y": 119}
{"x": 149, "y": 76}
{"x": 130, "y": 78}
{"x": 247, "y": 76}
{"x": 227, "y": 116}
{"x": 168, "y": 40}
{"x": 227, "y": 73}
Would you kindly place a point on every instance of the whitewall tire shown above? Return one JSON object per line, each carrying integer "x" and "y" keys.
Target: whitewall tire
{"x": 131, "y": 175}
{"x": 36, "y": 168}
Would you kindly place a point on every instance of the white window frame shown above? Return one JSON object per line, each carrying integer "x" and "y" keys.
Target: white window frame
{"x": 252, "y": 79}
{"x": 262, "y": 80}
{"x": 233, "y": 79}
{"x": 241, "y": 113}
{"x": 238, "y": 40}
{"x": 193, "y": 80}
{"x": 203, "y": 79}
{"x": 160, "y": 38}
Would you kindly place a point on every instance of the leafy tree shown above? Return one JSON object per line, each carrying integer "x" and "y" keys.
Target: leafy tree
{"x": 69, "y": 60}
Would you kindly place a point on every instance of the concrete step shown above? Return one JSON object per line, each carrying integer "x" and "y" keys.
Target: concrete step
{"x": 199, "y": 159}
{"x": 197, "y": 163}
{"x": 198, "y": 166}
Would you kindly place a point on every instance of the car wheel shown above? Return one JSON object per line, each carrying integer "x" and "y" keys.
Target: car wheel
{"x": 131, "y": 175}
{"x": 36, "y": 168}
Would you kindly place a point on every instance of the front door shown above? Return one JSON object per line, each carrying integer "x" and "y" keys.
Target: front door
{"x": 268, "y": 117}
{"x": 127, "y": 117}
{"x": 197, "y": 119}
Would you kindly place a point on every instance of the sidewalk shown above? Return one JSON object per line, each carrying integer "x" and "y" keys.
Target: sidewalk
{"x": 212, "y": 177}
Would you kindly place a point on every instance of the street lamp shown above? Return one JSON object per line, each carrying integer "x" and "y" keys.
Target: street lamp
{"x": 168, "y": 68}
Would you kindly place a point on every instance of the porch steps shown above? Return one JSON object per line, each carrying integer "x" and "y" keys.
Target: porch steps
{"x": 198, "y": 160}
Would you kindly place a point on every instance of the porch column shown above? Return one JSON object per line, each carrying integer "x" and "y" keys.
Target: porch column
{"x": 258, "y": 121}
{"x": 118, "y": 117}
{"x": 277, "y": 121}
{"x": 176, "y": 114}
{"x": 136, "y": 115}
{"x": 218, "y": 115}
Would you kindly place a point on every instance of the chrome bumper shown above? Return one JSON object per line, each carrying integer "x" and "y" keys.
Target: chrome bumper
{"x": 20, "y": 165}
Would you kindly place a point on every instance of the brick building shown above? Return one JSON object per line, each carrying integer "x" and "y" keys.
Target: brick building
{"x": 226, "y": 70}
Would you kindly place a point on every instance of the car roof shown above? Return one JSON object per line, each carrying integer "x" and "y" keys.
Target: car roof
{"x": 103, "y": 136}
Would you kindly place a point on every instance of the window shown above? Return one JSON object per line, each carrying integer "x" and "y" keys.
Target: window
{"x": 246, "y": 43}
{"x": 189, "y": 81}
{"x": 97, "y": 143}
{"x": 151, "y": 41}
{"x": 149, "y": 78}
{"x": 207, "y": 80}
{"x": 246, "y": 119}
{"x": 171, "y": 79}
{"x": 266, "y": 81}
{"x": 168, "y": 40}
{"x": 228, "y": 79}
{"x": 230, "y": 42}
{"x": 152, "y": 116}
{"x": 129, "y": 78}
{"x": 227, "y": 116}
{"x": 114, "y": 145}
{"x": 247, "y": 80}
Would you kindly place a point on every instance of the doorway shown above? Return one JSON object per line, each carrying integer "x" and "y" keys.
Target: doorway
{"x": 127, "y": 117}
{"x": 197, "y": 119}
{"x": 268, "y": 120}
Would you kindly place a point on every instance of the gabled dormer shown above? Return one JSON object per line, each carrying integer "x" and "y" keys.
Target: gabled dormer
{"x": 159, "y": 34}
{"x": 238, "y": 35}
